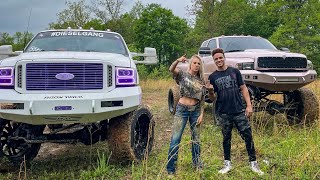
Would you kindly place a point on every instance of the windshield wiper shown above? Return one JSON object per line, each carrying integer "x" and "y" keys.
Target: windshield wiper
{"x": 60, "y": 49}
{"x": 91, "y": 50}
{"x": 235, "y": 50}
{"x": 40, "y": 50}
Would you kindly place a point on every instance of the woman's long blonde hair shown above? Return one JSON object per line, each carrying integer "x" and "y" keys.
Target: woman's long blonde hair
{"x": 200, "y": 72}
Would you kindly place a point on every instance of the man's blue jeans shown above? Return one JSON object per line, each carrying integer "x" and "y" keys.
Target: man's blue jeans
{"x": 182, "y": 116}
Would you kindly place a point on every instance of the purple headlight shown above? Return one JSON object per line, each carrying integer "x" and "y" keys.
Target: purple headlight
{"x": 125, "y": 77}
{"x": 6, "y": 76}
{"x": 6, "y": 72}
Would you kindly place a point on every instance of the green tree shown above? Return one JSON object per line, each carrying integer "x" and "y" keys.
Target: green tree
{"x": 107, "y": 16}
{"x": 264, "y": 19}
{"x": 205, "y": 19}
{"x": 96, "y": 24}
{"x": 6, "y": 39}
{"x": 193, "y": 40}
{"x": 229, "y": 17}
{"x": 215, "y": 18}
{"x": 107, "y": 10}
{"x": 300, "y": 28}
{"x": 76, "y": 15}
{"x": 137, "y": 10}
{"x": 21, "y": 40}
{"x": 159, "y": 28}
{"x": 225, "y": 17}
{"x": 125, "y": 24}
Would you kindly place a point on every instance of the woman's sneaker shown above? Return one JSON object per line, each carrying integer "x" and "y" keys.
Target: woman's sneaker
{"x": 255, "y": 167}
{"x": 227, "y": 167}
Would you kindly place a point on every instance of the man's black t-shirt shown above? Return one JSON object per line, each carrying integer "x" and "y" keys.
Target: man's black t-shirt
{"x": 227, "y": 86}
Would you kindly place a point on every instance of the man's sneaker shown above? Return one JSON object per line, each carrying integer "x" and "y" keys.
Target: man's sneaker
{"x": 227, "y": 167}
{"x": 255, "y": 167}
{"x": 170, "y": 175}
{"x": 199, "y": 166}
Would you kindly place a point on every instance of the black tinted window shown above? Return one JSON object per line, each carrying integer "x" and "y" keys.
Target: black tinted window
{"x": 212, "y": 44}
{"x": 230, "y": 44}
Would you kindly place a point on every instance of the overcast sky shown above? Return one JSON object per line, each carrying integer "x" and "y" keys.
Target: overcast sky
{"x": 14, "y": 14}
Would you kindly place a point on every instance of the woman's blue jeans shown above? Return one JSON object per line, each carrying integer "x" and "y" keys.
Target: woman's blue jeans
{"x": 182, "y": 116}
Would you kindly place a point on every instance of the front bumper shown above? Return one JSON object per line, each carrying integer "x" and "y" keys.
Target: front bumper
{"x": 278, "y": 81}
{"x": 68, "y": 107}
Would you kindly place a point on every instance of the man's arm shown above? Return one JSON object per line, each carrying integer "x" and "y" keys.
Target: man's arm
{"x": 246, "y": 96}
{"x": 209, "y": 85}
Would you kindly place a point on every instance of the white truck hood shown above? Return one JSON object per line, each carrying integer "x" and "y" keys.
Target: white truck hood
{"x": 252, "y": 54}
{"x": 255, "y": 53}
{"x": 115, "y": 59}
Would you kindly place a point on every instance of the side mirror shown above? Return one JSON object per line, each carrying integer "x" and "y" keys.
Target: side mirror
{"x": 204, "y": 51}
{"x": 150, "y": 56}
{"x": 284, "y": 49}
{"x": 6, "y": 51}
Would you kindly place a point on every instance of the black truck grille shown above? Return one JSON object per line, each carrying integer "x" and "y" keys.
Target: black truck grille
{"x": 280, "y": 62}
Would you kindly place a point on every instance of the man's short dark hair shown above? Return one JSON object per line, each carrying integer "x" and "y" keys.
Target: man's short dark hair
{"x": 217, "y": 50}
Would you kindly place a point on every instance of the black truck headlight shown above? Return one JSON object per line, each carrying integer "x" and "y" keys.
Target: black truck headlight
{"x": 245, "y": 66}
{"x": 309, "y": 65}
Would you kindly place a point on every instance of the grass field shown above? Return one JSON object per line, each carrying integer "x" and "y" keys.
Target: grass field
{"x": 283, "y": 151}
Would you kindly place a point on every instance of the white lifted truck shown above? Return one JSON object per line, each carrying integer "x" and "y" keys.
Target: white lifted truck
{"x": 83, "y": 85}
{"x": 265, "y": 71}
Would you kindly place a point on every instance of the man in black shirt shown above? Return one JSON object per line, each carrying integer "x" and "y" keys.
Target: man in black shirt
{"x": 227, "y": 84}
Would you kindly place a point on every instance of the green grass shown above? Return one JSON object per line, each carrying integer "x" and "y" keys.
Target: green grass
{"x": 283, "y": 151}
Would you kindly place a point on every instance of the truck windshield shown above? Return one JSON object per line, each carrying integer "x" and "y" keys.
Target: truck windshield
{"x": 233, "y": 44}
{"x": 81, "y": 41}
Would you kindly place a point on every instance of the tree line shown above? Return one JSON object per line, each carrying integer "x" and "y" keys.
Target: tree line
{"x": 286, "y": 23}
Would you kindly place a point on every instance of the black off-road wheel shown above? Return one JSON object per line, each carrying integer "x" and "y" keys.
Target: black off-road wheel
{"x": 303, "y": 106}
{"x": 14, "y": 151}
{"x": 131, "y": 136}
{"x": 173, "y": 98}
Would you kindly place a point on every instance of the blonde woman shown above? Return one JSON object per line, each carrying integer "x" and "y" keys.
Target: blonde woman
{"x": 189, "y": 108}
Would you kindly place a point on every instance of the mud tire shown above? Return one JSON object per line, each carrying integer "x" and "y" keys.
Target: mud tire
{"x": 306, "y": 106}
{"x": 13, "y": 152}
{"x": 173, "y": 98}
{"x": 131, "y": 136}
